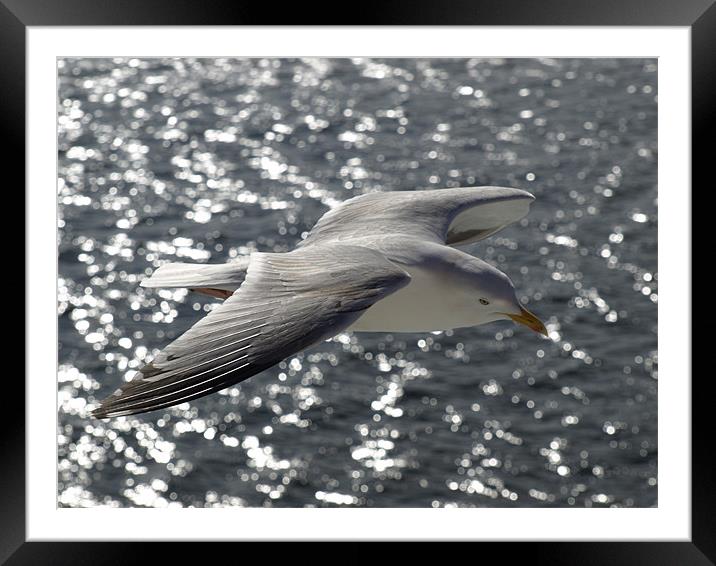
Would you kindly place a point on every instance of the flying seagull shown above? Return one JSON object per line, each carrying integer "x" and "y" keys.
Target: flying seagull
{"x": 379, "y": 262}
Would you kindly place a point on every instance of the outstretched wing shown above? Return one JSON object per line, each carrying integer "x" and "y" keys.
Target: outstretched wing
{"x": 286, "y": 303}
{"x": 448, "y": 216}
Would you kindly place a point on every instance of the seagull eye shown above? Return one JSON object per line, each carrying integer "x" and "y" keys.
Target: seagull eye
{"x": 484, "y": 302}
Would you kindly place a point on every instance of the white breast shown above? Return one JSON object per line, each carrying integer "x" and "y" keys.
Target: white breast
{"x": 429, "y": 302}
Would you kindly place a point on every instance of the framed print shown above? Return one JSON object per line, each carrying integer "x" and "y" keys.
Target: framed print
{"x": 420, "y": 278}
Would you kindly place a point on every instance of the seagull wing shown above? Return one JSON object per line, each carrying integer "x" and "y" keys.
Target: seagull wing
{"x": 447, "y": 216}
{"x": 286, "y": 303}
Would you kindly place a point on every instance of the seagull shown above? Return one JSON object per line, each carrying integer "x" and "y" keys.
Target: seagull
{"x": 379, "y": 262}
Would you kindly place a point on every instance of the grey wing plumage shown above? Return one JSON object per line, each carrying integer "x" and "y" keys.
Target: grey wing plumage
{"x": 455, "y": 217}
{"x": 286, "y": 303}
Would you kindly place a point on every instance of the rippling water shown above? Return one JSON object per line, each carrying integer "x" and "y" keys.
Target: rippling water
{"x": 209, "y": 159}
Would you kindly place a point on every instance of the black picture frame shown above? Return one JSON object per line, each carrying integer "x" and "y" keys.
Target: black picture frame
{"x": 17, "y": 15}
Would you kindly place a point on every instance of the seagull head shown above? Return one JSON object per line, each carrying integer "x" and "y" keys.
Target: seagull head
{"x": 493, "y": 297}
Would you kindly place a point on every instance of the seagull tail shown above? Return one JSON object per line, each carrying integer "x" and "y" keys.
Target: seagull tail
{"x": 214, "y": 280}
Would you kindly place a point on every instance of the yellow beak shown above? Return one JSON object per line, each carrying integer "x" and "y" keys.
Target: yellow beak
{"x": 529, "y": 320}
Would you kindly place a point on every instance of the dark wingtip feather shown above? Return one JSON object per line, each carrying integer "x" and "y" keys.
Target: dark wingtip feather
{"x": 110, "y": 406}
{"x": 104, "y": 411}
{"x": 113, "y": 408}
{"x": 100, "y": 412}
